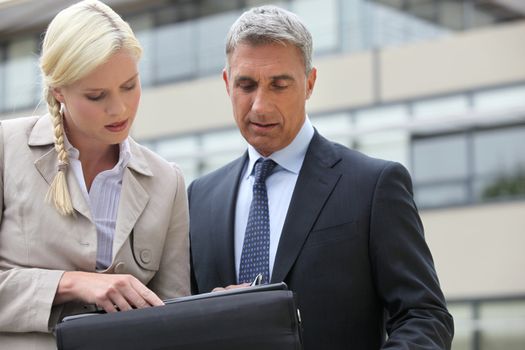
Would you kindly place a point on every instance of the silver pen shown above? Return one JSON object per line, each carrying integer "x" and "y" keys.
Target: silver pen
{"x": 257, "y": 280}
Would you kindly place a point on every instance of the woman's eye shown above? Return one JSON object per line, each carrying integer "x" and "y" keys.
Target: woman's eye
{"x": 95, "y": 97}
{"x": 130, "y": 87}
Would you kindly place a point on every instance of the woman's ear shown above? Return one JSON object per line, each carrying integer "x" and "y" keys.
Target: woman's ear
{"x": 57, "y": 93}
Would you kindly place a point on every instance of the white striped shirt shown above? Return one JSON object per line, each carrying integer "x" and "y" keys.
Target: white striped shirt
{"x": 103, "y": 199}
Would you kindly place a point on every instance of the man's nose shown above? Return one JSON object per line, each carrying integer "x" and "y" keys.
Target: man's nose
{"x": 261, "y": 102}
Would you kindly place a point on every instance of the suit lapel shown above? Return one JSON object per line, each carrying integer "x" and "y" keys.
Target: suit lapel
{"x": 316, "y": 181}
{"x": 223, "y": 219}
{"x": 133, "y": 197}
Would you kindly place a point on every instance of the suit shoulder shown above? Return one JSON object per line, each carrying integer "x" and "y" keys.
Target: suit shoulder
{"x": 19, "y": 125}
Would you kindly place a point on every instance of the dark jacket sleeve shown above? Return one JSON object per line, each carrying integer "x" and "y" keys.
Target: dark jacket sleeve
{"x": 404, "y": 273}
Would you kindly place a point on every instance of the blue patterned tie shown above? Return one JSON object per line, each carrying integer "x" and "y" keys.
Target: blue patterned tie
{"x": 256, "y": 248}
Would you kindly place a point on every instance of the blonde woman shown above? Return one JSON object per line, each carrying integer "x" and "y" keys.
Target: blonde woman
{"x": 90, "y": 218}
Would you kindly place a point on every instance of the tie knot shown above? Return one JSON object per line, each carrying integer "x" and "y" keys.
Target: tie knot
{"x": 263, "y": 168}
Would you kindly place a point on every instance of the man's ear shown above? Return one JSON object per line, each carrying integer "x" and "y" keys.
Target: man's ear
{"x": 226, "y": 81}
{"x": 310, "y": 82}
{"x": 57, "y": 93}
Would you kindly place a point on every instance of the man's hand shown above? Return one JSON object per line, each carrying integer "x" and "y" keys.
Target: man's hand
{"x": 110, "y": 292}
{"x": 233, "y": 286}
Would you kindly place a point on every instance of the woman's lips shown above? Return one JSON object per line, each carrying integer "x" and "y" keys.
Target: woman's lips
{"x": 117, "y": 127}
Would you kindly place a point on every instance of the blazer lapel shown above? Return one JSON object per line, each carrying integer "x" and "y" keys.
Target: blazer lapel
{"x": 133, "y": 197}
{"x": 316, "y": 181}
{"x": 47, "y": 164}
{"x": 223, "y": 219}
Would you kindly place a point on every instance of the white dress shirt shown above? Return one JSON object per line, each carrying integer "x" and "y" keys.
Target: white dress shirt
{"x": 103, "y": 199}
{"x": 279, "y": 186}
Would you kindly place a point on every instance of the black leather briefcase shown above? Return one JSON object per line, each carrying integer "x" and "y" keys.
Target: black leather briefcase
{"x": 255, "y": 318}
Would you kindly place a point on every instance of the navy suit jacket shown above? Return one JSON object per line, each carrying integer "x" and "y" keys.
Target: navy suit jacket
{"x": 352, "y": 248}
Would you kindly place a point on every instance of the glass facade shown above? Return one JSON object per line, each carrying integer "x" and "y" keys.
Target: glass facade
{"x": 19, "y": 75}
{"x": 460, "y": 149}
{"x": 489, "y": 324}
{"x": 185, "y": 40}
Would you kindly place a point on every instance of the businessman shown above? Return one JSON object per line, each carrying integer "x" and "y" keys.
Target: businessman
{"x": 340, "y": 228}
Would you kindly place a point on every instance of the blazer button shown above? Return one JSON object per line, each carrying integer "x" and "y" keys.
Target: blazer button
{"x": 145, "y": 256}
{"x": 119, "y": 267}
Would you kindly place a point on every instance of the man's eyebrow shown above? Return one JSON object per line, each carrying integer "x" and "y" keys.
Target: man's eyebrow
{"x": 243, "y": 78}
{"x": 283, "y": 77}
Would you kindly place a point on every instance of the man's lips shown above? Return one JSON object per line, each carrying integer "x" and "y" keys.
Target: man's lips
{"x": 118, "y": 126}
{"x": 263, "y": 125}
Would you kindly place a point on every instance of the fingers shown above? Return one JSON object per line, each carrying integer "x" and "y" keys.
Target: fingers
{"x": 144, "y": 296}
{"x": 109, "y": 292}
{"x": 233, "y": 286}
{"x": 128, "y": 293}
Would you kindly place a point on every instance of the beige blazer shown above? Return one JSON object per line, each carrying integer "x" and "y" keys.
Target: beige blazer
{"x": 37, "y": 244}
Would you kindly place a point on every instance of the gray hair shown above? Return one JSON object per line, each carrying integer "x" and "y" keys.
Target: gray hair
{"x": 267, "y": 25}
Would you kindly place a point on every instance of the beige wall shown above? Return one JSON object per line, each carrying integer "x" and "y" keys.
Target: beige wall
{"x": 190, "y": 106}
{"x": 478, "y": 250}
{"x": 469, "y": 60}
{"x": 485, "y": 57}
{"x": 343, "y": 81}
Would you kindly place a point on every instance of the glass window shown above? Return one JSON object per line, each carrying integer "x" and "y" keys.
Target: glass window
{"x": 383, "y": 117}
{"x": 440, "y": 194}
{"x": 211, "y": 31}
{"x": 499, "y": 163}
{"x": 381, "y": 133}
{"x": 335, "y": 127}
{"x": 175, "y": 51}
{"x": 321, "y": 17}
{"x": 390, "y": 145}
{"x": 184, "y": 152}
{"x": 219, "y": 148}
{"x": 177, "y": 148}
{"x": 389, "y": 26}
{"x": 440, "y": 158}
{"x": 211, "y": 7}
{"x": 439, "y": 108}
{"x": 502, "y": 98}
{"x": 499, "y": 151}
{"x": 2, "y": 80}
{"x": 463, "y": 325}
{"x": 503, "y": 325}
{"x": 21, "y": 75}
{"x": 223, "y": 140}
{"x": 355, "y": 25}
{"x": 143, "y": 28}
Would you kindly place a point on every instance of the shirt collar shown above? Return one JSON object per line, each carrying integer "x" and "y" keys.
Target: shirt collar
{"x": 124, "y": 153}
{"x": 289, "y": 158}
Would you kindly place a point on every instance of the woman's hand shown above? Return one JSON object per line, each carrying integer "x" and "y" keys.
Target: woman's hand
{"x": 110, "y": 292}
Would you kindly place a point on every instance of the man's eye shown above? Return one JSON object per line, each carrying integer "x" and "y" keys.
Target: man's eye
{"x": 247, "y": 86}
{"x": 279, "y": 86}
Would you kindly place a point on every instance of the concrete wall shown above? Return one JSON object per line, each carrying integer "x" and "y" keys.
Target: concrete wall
{"x": 478, "y": 250}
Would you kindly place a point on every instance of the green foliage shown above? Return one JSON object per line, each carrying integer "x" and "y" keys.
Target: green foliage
{"x": 508, "y": 186}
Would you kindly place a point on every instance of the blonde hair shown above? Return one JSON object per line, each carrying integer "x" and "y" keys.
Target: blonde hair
{"x": 79, "y": 39}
